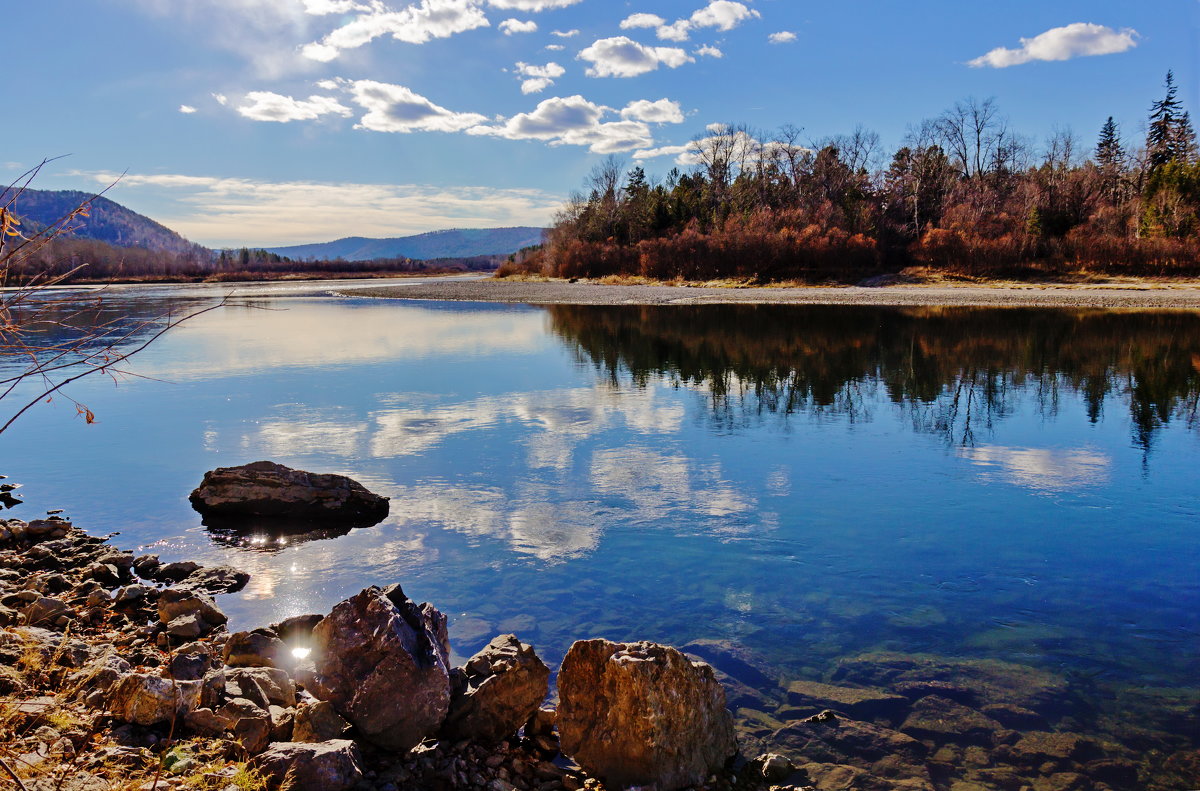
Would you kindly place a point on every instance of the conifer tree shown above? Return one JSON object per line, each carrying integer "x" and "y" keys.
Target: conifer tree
{"x": 1185, "y": 139}
{"x": 1110, "y": 155}
{"x": 1162, "y": 139}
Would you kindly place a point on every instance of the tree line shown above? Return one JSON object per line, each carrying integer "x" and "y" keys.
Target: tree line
{"x": 964, "y": 194}
{"x": 81, "y": 260}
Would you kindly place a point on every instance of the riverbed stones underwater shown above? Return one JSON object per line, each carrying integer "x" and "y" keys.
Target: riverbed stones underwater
{"x": 101, "y": 691}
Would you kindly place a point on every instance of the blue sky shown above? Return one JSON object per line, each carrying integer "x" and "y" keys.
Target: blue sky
{"x": 267, "y": 122}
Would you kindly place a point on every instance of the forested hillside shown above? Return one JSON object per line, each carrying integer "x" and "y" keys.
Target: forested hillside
{"x": 454, "y": 243}
{"x": 964, "y": 194}
{"x": 107, "y": 221}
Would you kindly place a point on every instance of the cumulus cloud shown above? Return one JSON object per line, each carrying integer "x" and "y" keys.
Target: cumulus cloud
{"x": 623, "y": 57}
{"x": 642, "y": 20}
{"x": 724, "y": 15}
{"x": 224, "y": 212}
{"x": 1061, "y": 43}
{"x": 662, "y": 151}
{"x": 664, "y": 111}
{"x": 555, "y": 47}
{"x": 538, "y": 78}
{"x": 782, "y": 37}
{"x": 221, "y": 99}
{"x": 511, "y": 26}
{"x": 415, "y": 24}
{"x": 679, "y": 30}
{"x": 268, "y": 106}
{"x": 186, "y": 109}
{"x": 572, "y": 121}
{"x": 565, "y": 33}
{"x": 394, "y": 108}
{"x": 708, "y": 51}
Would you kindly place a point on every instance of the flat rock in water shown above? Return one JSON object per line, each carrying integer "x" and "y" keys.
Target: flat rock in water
{"x": 863, "y": 704}
{"x": 265, "y": 488}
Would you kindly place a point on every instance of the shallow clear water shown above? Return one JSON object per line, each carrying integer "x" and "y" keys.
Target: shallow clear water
{"x": 812, "y": 482}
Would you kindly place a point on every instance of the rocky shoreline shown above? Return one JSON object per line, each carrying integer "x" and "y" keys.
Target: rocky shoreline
{"x": 118, "y": 672}
{"x": 1175, "y": 295}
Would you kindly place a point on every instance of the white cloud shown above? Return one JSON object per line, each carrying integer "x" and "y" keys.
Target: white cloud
{"x": 565, "y": 33}
{"x": 642, "y": 20}
{"x": 1061, "y": 43}
{"x": 555, "y": 47}
{"x": 186, "y": 109}
{"x": 623, "y": 57}
{"x": 415, "y": 24}
{"x": 531, "y": 5}
{"x": 323, "y": 7}
{"x": 394, "y": 108}
{"x": 221, "y": 99}
{"x": 328, "y": 85}
{"x": 664, "y": 111}
{"x": 538, "y": 78}
{"x": 268, "y": 106}
{"x": 535, "y": 85}
{"x": 708, "y": 51}
{"x": 724, "y": 15}
{"x": 572, "y": 121}
{"x": 662, "y": 151}
{"x": 232, "y": 212}
{"x": 679, "y": 30}
{"x": 782, "y": 37}
{"x": 511, "y": 26}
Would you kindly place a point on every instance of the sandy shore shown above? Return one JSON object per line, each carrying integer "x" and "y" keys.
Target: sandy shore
{"x": 1175, "y": 296}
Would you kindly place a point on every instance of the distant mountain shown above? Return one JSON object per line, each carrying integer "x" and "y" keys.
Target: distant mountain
{"x": 455, "y": 243}
{"x": 108, "y": 221}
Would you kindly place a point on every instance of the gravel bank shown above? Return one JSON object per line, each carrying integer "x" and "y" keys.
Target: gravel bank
{"x": 1182, "y": 296}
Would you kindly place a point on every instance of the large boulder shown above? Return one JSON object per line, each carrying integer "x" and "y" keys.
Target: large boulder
{"x": 146, "y": 699}
{"x": 642, "y": 713}
{"x": 264, "y": 488}
{"x": 496, "y": 691}
{"x": 326, "y": 766}
{"x": 381, "y": 660}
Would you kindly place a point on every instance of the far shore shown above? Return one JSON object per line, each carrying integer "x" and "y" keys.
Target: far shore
{"x": 1145, "y": 294}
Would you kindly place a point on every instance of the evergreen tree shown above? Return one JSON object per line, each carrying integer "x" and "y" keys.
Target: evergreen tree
{"x": 1162, "y": 139}
{"x": 1185, "y": 139}
{"x": 1109, "y": 153}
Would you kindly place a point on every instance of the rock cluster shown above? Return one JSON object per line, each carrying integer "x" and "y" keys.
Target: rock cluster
{"x": 141, "y": 650}
{"x": 375, "y": 702}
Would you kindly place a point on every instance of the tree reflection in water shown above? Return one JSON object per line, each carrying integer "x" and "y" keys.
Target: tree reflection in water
{"x": 954, "y": 371}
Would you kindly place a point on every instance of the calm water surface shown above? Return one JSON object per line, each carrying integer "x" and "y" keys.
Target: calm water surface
{"x": 811, "y": 482}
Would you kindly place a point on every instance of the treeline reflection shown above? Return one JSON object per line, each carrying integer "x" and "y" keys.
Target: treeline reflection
{"x": 954, "y": 371}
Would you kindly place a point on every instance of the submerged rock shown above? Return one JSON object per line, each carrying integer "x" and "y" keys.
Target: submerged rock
{"x": 379, "y": 658}
{"x": 812, "y": 697}
{"x": 264, "y": 488}
{"x": 496, "y": 692}
{"x": 641, "y": 713}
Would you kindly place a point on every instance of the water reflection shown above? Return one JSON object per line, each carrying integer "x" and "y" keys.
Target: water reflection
{"x": 954, "y": 371}
{"x": 1043, "y": 469}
